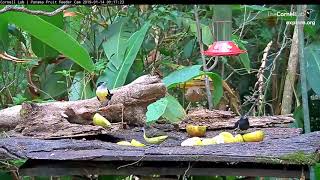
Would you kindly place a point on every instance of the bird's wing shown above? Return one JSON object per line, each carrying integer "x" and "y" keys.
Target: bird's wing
{"x": 236, "y": 125}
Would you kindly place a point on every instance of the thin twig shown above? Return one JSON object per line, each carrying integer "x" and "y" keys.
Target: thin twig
{"x": 273, "y": 64}
{"x": 247, "y": 21}
{"x": 34, "y": 12}
{"x": 244, "y": 20}
{"x": 260, "y": 82}
{"x": 4, "y": 87}
{"x": 214, "y": 64}
{"x": 130, "y": 164}
{"x": 207, "y": 83}
{"x": 186, "y": 171}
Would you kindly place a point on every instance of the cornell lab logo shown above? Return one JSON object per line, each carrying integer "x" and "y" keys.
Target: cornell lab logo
{"x": 309, "y": 20}
{"x": 307, "y": 13}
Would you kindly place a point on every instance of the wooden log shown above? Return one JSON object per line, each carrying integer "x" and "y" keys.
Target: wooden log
{"x": 74, "y": 118}
{"x": 300, "y": 150}
{"x": 217, "y": 119}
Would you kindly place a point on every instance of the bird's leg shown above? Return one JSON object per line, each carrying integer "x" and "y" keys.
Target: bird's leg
{"x": 104, "y": 104}
{"x": 242, "y": 131}
{"x": 236, "y": 131}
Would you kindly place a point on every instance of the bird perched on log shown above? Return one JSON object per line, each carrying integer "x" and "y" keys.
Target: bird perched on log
{"x": 103, "y": 93}
{"x": 243, "y": 123}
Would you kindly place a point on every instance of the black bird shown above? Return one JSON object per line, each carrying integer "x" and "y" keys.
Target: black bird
{"x": 242, "y": 123}
{"x": 308, "y": 12}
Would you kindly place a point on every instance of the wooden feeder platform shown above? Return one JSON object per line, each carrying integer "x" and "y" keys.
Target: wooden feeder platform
{"x": 275, "y": 156}
{"x": 58, "y": 138}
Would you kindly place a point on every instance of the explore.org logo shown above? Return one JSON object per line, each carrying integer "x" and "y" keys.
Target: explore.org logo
{"x": 307, "y": 14}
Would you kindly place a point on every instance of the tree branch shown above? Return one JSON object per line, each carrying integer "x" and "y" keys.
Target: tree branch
{"x": 34, "y": 12}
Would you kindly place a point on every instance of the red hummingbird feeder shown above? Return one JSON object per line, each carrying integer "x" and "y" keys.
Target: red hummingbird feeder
{"x": 223, "y": 48}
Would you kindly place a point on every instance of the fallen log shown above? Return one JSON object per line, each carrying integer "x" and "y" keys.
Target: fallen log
{"x": 217, "y": 119}
{"x": 74, "y": 118}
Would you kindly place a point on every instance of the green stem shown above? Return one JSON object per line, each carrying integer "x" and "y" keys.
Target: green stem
{"x": 303, "y": 78}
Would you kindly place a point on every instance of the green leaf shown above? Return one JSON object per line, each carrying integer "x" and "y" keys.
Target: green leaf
{"x": 317, "y": 170}
{"x": 73, "y": 23}
{"x": 312, "y": 56}
{"x": 168, "y": 107}
{"x": 51, "y": 35}
{"x": 298, "y": 117}
{"x": 207, "y": 37}
{"x": 187, "y": 73}
{"x": 38, "y": 47}
{"x": 80, "y": 88}
{"x": 115, "y": 46}
{"x": 156, "y": 110}
{"x": 6, "y": 175}
{"x": 188, "y": 48}
{"x": 174, "y": 111}
{"x": 17, "y": 33}
{"x": 218, "y": 87}
{"x": 244, "y": 58}
{"x": 50, "y": 79}
{"x": 310, "y": 30}
{"x": 4, "y": 36}
{"x": 116, "y": 77}
{"x": 182, "y": 75}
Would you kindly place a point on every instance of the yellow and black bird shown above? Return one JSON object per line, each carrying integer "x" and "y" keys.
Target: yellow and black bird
{"x": 103, "y": 93}
{"x": 242, "y": 123}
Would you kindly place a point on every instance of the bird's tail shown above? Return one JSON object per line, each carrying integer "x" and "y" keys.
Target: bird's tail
{"x": 109, "y": 95}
